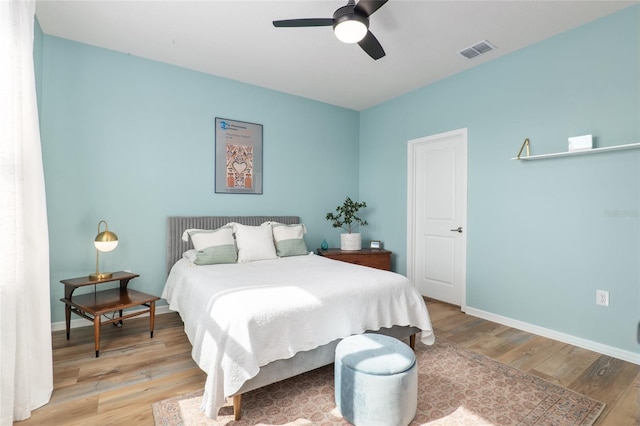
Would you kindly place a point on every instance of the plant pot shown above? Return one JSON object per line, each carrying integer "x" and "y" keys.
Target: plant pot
{"x": 350, "y": 242}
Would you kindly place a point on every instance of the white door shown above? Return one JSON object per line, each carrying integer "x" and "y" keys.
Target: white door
{"x": 437, "y": 215}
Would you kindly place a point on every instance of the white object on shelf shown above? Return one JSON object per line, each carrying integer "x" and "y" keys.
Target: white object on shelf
{"x": 580, "y": 143}
{"x": 571, "y": 153}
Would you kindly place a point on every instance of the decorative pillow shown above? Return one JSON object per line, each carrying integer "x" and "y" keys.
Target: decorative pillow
{"x": 216, "y": 254}
{"x": 254, "y": 242}
{"x": 289, "y": 239}
{"x": 213, "y": 246}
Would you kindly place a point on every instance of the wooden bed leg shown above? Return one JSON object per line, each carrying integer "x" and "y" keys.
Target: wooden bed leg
{"x": 237, "y": 400}
{"x": 412, "y": 342}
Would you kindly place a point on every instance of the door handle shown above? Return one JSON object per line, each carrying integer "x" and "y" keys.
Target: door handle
{"x": 458, "y": 229}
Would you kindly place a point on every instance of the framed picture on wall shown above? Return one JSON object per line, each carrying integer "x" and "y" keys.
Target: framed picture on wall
{"x": 238, "y": 157}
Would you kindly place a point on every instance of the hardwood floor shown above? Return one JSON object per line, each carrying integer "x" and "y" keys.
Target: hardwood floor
{"x": 134, "y": 371}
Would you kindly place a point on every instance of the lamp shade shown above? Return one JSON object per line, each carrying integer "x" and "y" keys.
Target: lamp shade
{"x": 106, "y": 241}
{"x": 350, "y": 30}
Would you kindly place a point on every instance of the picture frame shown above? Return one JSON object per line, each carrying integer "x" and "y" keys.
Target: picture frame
{"x": 238, "y": 157}
{"x": 375, "y": 244}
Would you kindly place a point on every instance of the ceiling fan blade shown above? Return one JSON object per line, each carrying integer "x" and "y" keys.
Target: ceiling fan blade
{"x": 372, "y": 46}
{"x": 367, "y": 7}
{"x": 308, "y": 22}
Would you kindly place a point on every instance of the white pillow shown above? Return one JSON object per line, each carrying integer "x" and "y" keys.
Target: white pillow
{"x": 203, "y": 238}
{"x": 190, "y": 255}
{"x": 254, "y": 242}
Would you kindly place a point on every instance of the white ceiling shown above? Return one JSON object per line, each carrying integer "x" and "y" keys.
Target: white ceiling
{"x": 236, "y": 39}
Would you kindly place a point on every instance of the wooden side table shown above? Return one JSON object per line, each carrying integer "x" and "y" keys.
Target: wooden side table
{"x": 374, "y": 258}
{"x": 92, "y": 306}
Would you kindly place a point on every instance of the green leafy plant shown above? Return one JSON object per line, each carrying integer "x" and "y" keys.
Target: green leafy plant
{"x": 346, "y": 215}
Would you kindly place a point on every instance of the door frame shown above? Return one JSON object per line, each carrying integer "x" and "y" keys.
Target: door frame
{"x": 412, "y": 145}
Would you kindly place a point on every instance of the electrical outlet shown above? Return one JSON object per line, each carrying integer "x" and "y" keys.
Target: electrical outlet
{"x": 602, "y": 297}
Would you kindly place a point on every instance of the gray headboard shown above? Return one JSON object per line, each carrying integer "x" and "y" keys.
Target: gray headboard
{"x": 177, "y": 224}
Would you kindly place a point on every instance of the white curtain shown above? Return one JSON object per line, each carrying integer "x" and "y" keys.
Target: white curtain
{"x": 25, "y": 320}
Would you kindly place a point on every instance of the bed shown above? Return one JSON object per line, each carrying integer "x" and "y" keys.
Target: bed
{"x": 255, "y": 322}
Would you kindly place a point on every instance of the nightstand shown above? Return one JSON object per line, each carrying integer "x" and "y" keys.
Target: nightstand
{"x": 374, "y": 258}
{"x": 93, "y": 306}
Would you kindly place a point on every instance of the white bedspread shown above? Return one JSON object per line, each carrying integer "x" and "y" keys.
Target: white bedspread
{"x": 239, "y": 317}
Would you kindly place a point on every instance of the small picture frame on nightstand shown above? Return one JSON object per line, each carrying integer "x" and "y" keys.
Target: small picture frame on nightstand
{"x": 375, "y": 244}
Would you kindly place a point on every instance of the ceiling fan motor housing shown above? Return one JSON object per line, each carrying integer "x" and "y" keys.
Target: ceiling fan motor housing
{"x": 346, "y": 13}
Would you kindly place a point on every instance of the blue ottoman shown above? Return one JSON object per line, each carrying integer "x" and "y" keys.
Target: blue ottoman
{"x": 376, "y": 381}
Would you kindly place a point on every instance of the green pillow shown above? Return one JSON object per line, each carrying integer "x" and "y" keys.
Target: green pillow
{"x": 217, "y": 254}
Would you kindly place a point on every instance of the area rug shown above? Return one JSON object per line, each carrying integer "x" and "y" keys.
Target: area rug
{"x": 455, "y": 387}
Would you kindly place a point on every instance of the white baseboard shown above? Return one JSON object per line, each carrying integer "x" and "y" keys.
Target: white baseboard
{"x": 556, "y": 335}
{"x": 81, "y": 322}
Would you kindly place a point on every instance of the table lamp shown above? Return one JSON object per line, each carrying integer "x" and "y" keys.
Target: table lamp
{"x": 105, "y": 241}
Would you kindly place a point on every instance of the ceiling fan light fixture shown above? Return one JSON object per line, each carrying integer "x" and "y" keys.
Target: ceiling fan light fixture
{"x": 351, "y": 30}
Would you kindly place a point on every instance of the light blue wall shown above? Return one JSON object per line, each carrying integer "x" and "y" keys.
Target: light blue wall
{"x": 542, "y": 236}
{"x": 131, "y": 141}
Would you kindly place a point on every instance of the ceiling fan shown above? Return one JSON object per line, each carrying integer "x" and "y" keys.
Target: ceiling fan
{"x": 350, "y": 24}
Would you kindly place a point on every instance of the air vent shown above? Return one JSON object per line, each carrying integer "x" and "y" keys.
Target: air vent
{"x": 477, "y": 49}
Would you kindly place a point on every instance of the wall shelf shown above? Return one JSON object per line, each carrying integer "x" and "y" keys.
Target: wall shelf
{"x": 572, "y": 153}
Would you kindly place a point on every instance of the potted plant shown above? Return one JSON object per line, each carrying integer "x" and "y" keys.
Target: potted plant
{"x": 347, "y": 219}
